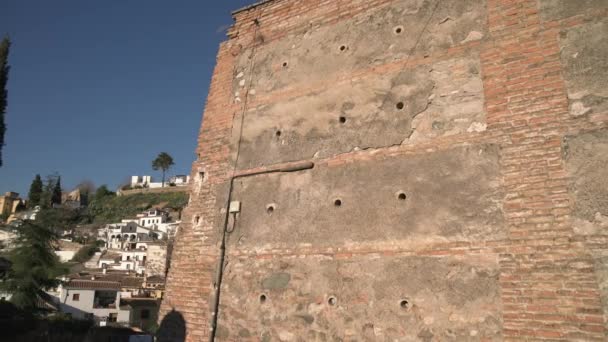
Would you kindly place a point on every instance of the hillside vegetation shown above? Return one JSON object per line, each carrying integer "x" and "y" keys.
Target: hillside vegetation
{"x": 111, "y": 209}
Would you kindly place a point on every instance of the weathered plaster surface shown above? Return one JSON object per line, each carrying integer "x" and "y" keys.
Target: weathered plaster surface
{"x": 316, "y": 52}
{"x": 445, "y": 98}
{"x": 587, "y": 162}
{"x": 560, "y": 9}
{"x": 448, "y": 299}
{"x": 451, "y": 195}
{"x": 584, "y": 54}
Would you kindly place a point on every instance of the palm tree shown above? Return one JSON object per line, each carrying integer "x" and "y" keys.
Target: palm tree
{"x": 162, "y": 162}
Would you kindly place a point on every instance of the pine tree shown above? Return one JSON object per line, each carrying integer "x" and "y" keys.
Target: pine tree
{"x": 56, "y": 197}
{"x": 4, "y": 68}
{"x": 35, "y": 267}
{"x": 162, "y": 162}
{"x": 35, "y": 193}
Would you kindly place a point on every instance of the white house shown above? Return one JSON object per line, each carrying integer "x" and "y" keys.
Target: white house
{"x": 145, "y": 182}
{"x": 93, "y": 299}
{"x": 125, "y": 235}
{"x": 169, "y": 228}
{"x": 152, "y": 218}
{"x": 180, "y": 180}
{"x": 131, "y": 260}
{"x": 108, "y": 298}
{"x": 148, "y": 181}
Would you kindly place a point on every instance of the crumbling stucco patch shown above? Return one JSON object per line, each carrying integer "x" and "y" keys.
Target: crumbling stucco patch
{"x": 365, "y": 298}
{"x": 584, "y": 54}
{"x": 451, "y": 195}
{"x": 445, "y": 98}
{"x": 587, "y": 162}
{"x": 359, "y": 42}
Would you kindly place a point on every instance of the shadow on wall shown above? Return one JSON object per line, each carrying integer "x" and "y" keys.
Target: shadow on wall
{"x": 172, "y": 328}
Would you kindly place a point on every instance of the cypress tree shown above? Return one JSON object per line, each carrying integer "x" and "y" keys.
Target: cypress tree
{"x": 4, "y": 68}
{"x": 35, "y": 193}
{"x": 56, "y": 197}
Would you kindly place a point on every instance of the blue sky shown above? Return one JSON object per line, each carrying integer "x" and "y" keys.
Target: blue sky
{"x": 98, "y": 88}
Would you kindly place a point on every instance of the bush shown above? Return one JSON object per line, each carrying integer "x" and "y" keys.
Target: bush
{"x": 85, "y": 253}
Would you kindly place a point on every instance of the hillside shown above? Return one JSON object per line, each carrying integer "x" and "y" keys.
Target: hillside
{"x": 115, "y": 208}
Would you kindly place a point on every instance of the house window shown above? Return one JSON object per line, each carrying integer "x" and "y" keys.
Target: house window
{"x": 145, "y": 314}
{"x": 113, "y": 317}
{"x": 76, "y": 297}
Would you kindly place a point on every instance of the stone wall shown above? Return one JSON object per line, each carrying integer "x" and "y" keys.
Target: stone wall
{"x": 153, "y": 190}
{"x": 459, "y": 182}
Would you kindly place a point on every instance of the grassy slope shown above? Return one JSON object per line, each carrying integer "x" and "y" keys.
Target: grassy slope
{"x": 115, "y": 208}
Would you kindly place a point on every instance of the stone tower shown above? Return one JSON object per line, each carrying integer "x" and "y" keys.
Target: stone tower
{"x": 376, "y": 170}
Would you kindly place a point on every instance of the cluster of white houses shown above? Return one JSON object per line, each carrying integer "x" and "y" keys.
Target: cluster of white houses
{"x": 124, "y": 283}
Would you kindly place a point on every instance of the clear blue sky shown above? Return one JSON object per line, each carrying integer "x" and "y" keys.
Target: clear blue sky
{"x": 98, "y": 88}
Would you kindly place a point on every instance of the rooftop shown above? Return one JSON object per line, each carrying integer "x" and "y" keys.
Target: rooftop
{"x": 92, "y": 284}
{"x": 95, "y": 279}
{"x": 155, "y": 279}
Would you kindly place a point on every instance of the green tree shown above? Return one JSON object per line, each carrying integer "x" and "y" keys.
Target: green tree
{"x": 56, "y": 196}
{"x": 35, "y": 267}
{"x": 162, "y": 162}
{"x": 35, "y": 193}
{"x": 58, "y": 219}
{"x": 85, "y": 253}
{"x": 103, "y": 192}
{"x": 4, "y": 68}
{"x": 86, "y": 188}
{"x": 46, "y": 198}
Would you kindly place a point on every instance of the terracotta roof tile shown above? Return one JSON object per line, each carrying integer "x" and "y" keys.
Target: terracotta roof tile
{"x": 92, "y": 284}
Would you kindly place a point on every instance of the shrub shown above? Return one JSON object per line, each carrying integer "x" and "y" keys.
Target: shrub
{"x": 85, "y": 253}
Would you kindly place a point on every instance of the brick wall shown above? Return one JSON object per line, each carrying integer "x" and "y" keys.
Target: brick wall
{"x": 520, "y": 226}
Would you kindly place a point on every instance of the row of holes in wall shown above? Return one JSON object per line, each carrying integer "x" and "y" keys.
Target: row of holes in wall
{"x": 332, "y": 301}
{"x": 270, "y": 208}
{"x": 396, "y": 30}
{"x": 342, "y": 119}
